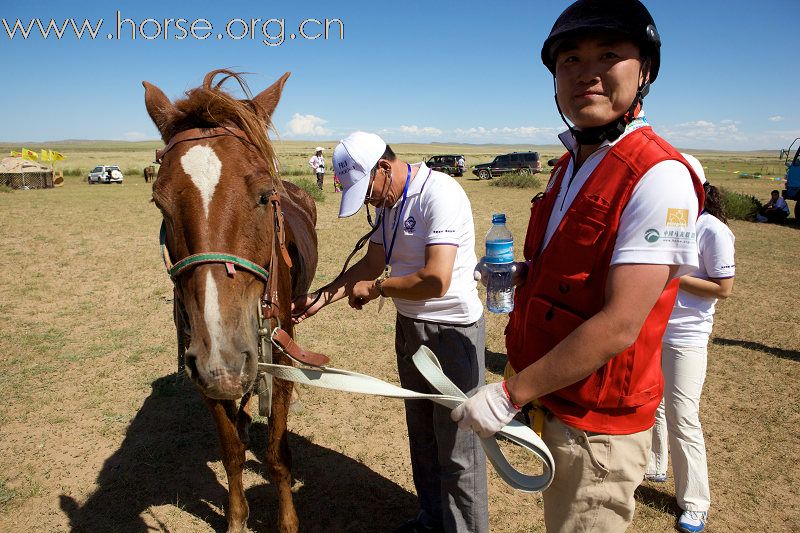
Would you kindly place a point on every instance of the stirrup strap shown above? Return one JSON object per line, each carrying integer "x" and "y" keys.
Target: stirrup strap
{"x": 283, "y": 341}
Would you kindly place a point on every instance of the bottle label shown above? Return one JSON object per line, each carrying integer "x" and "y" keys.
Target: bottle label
{"x": 499, "y": 251}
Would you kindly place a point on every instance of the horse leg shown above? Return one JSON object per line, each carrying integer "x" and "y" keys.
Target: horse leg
{"x": 233, "y": 456}
{"x": 279, "y": 458}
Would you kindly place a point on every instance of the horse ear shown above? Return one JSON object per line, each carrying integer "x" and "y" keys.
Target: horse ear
{"x": 267, "y": 100}
{"x": 161, "y": 110}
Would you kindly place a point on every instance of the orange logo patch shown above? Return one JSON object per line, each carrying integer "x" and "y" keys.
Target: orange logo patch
{"x": 677, "y": 217}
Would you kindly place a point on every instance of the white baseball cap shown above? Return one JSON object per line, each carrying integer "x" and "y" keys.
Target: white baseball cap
{"x": 696, "y": 166}
{"x": 319, "y": 149}
{"x": 353, "y": 159}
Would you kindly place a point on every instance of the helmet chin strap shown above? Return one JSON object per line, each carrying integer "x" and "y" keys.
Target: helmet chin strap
{"x": 608, "y": 132}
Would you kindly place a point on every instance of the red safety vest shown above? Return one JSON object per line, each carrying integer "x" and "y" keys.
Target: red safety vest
{"x": 566, "y": 286}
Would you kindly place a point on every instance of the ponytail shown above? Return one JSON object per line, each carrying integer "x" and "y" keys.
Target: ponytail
{"x": 714, "y": 204}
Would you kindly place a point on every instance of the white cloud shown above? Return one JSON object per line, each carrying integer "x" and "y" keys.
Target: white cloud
{"x": 307, "y": 126}
{"x": 505, "y": 134}
{"x": 724, "y": 135}
{"x": 776, "y": 118}
{"x": 425, "y": 131}
{"x": 476, "y": 134}
{"x": 705, "y": 134}
{"x": 411, "y": 133}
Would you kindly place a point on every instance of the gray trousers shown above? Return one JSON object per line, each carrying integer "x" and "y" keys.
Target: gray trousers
{"x": 448, "y": 464}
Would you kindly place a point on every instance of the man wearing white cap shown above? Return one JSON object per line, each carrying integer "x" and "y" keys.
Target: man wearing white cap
{"x": 317, "y": 162}
{"x": 422, "y": 256}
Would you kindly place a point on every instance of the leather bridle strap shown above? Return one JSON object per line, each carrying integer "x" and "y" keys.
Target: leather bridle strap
{"x": 196, "y": 134}
{"x": 269, "y": 304}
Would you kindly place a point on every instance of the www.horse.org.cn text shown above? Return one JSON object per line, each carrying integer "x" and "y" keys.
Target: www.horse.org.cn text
{"x": 270, "y": 31}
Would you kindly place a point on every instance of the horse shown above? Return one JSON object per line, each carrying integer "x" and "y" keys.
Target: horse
{"x": 149, "y": 173}
{"x": 219, "y": 192}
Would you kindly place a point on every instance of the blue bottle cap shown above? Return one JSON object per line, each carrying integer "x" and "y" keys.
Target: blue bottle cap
{"x": 499, "y": 218}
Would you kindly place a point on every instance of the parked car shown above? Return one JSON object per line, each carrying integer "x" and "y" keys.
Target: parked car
{"x": 105, "y": 174}
{"x": 526, "y": 162}
{"x": 445, "y": 163}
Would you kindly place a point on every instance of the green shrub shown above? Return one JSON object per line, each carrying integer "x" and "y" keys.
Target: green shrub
{"x": 740, "y": 206}
{"x": 311, "y": 188}
{"x": 5, "y": 188}
{"x": 133, "y": 171}
{"x": 518, "y": 180}
{"x": 74, "y": 172}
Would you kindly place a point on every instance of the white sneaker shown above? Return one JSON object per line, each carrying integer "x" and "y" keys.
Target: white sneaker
{"x": 692, "y": 521}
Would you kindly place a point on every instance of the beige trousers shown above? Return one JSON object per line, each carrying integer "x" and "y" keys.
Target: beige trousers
{"x": 596, "y": 475}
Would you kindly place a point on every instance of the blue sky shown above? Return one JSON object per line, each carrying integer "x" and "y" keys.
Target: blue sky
{"x": 413, "y": 71}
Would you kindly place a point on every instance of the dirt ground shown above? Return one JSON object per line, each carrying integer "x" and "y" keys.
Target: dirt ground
{"x": 98, "y": 434}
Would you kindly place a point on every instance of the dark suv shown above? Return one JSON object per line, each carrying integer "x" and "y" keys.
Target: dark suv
{"x": 445, "y": 163}
{"x": 525, "y": 162}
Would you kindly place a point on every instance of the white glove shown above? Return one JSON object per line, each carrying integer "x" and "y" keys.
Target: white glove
{"x": 486, "y": 412}
{"x": 481, "y": 272}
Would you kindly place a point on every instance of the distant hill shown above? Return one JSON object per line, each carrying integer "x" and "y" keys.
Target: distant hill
{"x": 102, "y": 145}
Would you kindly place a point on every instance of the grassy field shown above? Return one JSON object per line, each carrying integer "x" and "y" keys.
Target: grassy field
{"x": 97, "y": 436}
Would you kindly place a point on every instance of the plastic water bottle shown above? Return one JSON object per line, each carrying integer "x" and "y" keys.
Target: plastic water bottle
{"x": 499, "y": 262}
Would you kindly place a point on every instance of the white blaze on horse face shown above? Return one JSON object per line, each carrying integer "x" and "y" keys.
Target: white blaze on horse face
{"x": 204, "y": 167}
{"x": 213, "y": 316}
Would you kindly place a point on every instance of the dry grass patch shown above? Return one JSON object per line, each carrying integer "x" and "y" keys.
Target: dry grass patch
{"x": 97, "y": 435}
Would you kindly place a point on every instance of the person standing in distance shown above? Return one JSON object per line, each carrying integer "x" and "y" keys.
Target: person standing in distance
{"x": 606, "y": 243}
{"x": 317, "y": 163}
{"x": 423, "y": 257}
{"x": 683, "y": 360}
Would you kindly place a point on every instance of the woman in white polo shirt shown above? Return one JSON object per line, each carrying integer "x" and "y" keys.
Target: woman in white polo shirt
{"x": 684, "y": 357}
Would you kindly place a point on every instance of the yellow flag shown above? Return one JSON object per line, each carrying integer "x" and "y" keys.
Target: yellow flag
{"x": 57, "y": 156}
{"x": 29, "y": 154}
{"x": 14, "y": 153}
{"x": 45, "y": 156}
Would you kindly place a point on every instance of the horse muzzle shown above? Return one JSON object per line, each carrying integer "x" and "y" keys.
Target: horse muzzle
{"x": 223, "y": 381}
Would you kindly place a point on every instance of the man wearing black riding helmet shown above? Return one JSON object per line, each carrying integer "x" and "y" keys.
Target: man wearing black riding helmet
{"x": 607, "y": 240}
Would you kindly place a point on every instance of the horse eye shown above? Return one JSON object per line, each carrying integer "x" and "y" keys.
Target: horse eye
{"x": 263, "y": 199}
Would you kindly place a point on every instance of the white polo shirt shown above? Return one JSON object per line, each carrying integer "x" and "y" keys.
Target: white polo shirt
{"x": 317, "y": 162}
{"x": 657, "y": 226}
{"x": 693, "y": 316}
{"x": 437, "y": 212}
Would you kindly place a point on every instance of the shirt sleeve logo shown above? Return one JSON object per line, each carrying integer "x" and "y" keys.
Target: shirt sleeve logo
{"x": 652, "y": 235}
{"x": 677, "y": 217}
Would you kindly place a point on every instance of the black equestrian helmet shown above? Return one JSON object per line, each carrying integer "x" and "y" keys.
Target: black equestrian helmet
{"x": 628, "y": 17}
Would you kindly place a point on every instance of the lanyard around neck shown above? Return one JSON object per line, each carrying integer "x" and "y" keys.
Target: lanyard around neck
{"x": 388, "y": 255}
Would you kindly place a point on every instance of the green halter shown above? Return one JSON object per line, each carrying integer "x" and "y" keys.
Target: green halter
{"x": 209, "y": 257}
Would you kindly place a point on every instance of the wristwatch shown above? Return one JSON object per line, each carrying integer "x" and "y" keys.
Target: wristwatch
{"x": 379, "y": 286}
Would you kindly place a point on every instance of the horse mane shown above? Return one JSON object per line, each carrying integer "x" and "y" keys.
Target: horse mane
{"x": 209, "y": 106}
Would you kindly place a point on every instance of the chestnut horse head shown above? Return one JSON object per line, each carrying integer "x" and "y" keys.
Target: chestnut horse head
{"x": 217, "y": 173}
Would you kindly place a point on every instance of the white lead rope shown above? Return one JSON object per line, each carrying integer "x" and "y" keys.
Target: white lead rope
{"x": 452, "y": 397}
